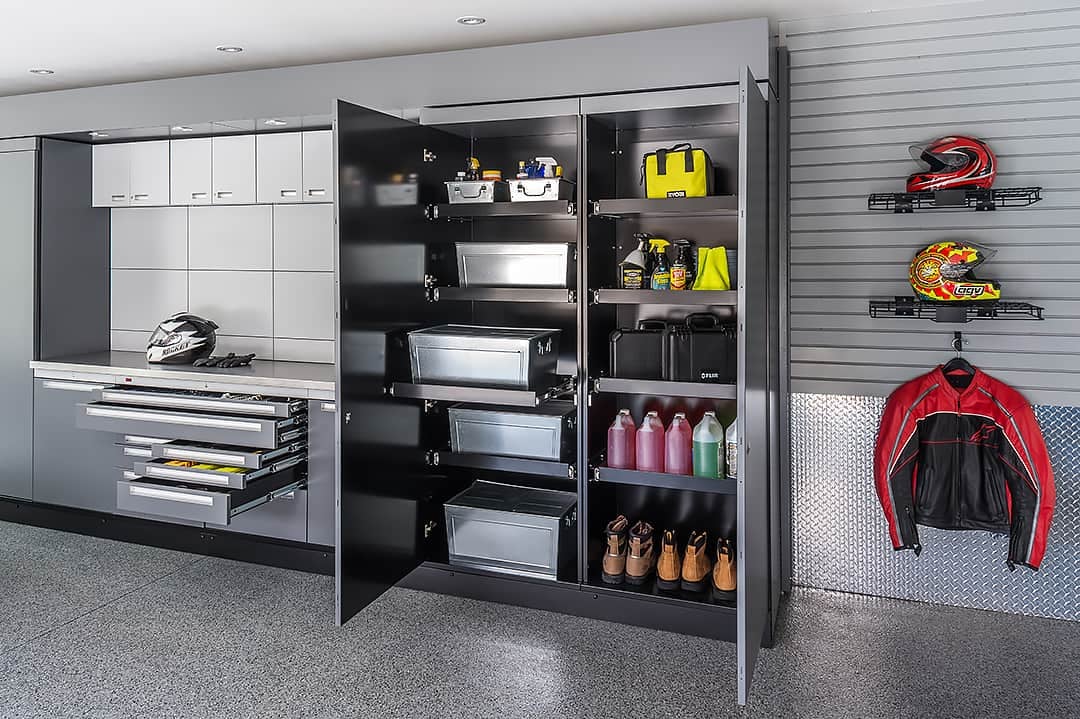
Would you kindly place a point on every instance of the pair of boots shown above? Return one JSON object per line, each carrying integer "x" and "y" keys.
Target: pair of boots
{"x": 691, "y": 571}
{"x": 635, "y": 563}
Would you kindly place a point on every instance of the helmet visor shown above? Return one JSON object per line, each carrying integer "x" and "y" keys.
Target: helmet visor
{"x": 973, "y": 256}
{"x": 164, "y": 338}
{"x": 937, "y": 161}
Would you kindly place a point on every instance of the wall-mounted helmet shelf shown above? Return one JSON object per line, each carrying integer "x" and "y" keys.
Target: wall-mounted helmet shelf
{"x": 955, "y": 312}
{"x": 963, "y": 199}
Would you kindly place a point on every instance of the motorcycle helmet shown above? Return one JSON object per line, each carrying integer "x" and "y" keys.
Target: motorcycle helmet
{"x": 954, "y": 162}
{"x": 182, "y": 339}
{"x": 943, "y": 272}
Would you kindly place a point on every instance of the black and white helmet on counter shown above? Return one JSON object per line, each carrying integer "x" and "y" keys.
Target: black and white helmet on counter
{"x": 182, "y": 339}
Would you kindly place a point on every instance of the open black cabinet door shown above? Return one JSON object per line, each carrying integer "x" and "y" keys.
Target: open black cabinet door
{"x": 389, "y": 506}
{"x": 754, "y": 362}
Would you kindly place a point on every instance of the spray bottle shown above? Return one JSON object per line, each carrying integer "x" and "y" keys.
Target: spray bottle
{"x": 632, "y": 270}
{"x": 661, "y": 271}
{"x": 682, "y": 273}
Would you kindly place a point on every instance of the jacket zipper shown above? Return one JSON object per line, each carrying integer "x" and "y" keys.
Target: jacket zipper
{"x": 957, "y": 469}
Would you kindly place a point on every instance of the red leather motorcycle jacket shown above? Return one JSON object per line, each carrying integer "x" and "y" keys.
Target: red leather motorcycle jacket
{"x": 964, "y": 452}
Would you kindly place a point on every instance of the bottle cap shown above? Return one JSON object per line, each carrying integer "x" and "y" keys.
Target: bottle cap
{"x": 680, "y": 415}
{"x": 710, "y": 413}
{"x": 624, "y": 411}
{"x": 654, "y": 413}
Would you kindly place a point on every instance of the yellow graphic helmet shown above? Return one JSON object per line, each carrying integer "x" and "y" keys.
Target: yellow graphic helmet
{"x": 943, "y": 272}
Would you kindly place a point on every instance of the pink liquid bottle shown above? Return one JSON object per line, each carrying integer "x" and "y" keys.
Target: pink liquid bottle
{"x": 680, "y": 446}
{"x": 650, "y": 444}
{"x": 622, "y": 442}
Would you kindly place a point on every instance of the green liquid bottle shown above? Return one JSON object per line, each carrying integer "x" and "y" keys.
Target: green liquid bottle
{"x": 709, "y": 447}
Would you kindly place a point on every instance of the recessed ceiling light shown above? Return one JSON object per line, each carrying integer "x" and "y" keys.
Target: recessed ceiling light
{"x": 183, "y": 128}
{"x": 229, "y": 48}
{"x": 472, "y": 20}
{"x": 41, "y": 71}
{"x": 95, "y": 133}
{"x": 275, "y": 123}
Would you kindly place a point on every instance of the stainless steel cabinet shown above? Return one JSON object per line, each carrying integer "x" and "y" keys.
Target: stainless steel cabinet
{"x": 322, "y": 489}
{"x": 191, "y": 171}
{"x": 279, "y": 167}
{"x": 72, "y": 467}
{"x": 318, "y": 173}
{"x": 233, "y": 170}
{"x": 112, "y": 175}
{"x": 149, "y": 172}
{"x": 286, "y": 517}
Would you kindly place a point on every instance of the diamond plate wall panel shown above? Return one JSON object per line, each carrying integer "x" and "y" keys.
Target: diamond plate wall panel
{"x": 840, "y": 540}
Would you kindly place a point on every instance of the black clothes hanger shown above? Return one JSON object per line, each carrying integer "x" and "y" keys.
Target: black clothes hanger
{"x": 958, "y": 370}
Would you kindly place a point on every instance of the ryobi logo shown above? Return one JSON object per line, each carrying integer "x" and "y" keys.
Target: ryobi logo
{"x": 677, "y": 193}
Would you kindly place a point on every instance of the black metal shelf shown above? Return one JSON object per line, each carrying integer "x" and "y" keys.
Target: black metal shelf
{"x": 503, "y": 294}
{"x": 954, "y": 312}
{"x": 520, "y": 465}
{"x": 663, "y": 388}
{"x": 482, "y": 395}
{"x": 662, "y": 297}
{"x": 664, "y": 481}
{"x": 558, "y": 209}
{"x": 705, "y": 600}
{"x": 962, "y": 199}
{"x": 714, "y": 205}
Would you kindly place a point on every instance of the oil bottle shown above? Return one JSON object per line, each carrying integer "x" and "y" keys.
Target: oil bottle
{"x": 661, "y": 271}
{"x": 682, "y": 273}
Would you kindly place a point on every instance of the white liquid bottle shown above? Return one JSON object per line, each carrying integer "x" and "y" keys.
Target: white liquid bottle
{"x": 731, "y": 449}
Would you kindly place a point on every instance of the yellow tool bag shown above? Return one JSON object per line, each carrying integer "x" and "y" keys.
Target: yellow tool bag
{"x": 679, "y": 171}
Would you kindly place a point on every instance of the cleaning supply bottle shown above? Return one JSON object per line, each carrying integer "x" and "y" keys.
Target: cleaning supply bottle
{"x": 678, "y": 458}
{"x": 650, "y": 444}
{"x": 709, "y": 447}
{"x": 682, "y": 274}
{"x": 632, "y": 269}
{"x": 731, "y": 449}
{"x": 661, "y": 271}
{"x": 622, "y": 442}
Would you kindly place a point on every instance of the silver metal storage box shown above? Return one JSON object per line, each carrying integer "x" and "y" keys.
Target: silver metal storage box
{"x": 514, "y": 530}
{"x": 540, "y": 189}
{"x": 523, "y": 264}
{"x": 483, "y": 356}
{"x": 544, "y": 433}
{"x": 467, "y": 191}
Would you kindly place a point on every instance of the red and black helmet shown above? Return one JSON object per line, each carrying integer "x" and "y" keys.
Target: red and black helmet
{"x": 955, "y": 162}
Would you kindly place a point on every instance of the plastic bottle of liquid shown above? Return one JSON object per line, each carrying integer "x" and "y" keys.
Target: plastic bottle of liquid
{"x": 679, "y": 455}
{"x": 731, "y": 450}
{"x": 650, "y": 444}
{"x": 622, "y": 442}
{"x": 682, "y": 275}
{"x": 661, "y": 272}
{"x": 632, "y": 269}
{"x": 709, "y": 447}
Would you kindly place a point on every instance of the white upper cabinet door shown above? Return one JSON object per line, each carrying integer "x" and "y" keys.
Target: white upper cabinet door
{"x": 112, "y": 175}
{"x": 234, "y": 170}
{"x": 191, "y": 171}
{"x": 150, "y": 172}
{"x": 319, "y": 166}
{"x": 279, "y": 167}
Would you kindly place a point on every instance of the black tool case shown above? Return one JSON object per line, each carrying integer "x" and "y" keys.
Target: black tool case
{"x": 703, "y": 349}
{"x": 640, "y": 353}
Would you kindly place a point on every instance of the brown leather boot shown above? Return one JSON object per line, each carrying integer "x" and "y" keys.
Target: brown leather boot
{"x": 615, "y": 555}
{"x": 669, "y": 567}
{"x": 724, "y": 575}
{"x": 696, "y": 564}
{"x": 641, "y": 560}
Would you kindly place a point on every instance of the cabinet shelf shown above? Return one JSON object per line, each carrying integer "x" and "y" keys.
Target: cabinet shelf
{"x": 663, "y": 388}
{"x": 714, "y": 205}
{"x": 503, "y": 294}
{"x": 481, "y": 395}
{"x": 520, "y": 465}
{"x": 558, "y": 209}
{"x": 662, "y": 297}
{"x": 664, "y": 481}
{"x": 649, "y": 590}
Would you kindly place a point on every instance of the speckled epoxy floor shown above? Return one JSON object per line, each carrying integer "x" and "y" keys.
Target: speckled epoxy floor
{"x": 93, "y": 628}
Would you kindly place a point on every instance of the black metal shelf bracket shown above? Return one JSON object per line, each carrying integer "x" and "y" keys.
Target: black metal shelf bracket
{"x": 961, "y": 199}
{"x": 954, "y": 312}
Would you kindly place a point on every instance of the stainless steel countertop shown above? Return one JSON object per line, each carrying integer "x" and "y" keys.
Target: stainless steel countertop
{"x": 302, "y": 379}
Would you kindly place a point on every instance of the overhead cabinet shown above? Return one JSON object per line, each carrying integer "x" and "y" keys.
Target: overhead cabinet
{"x": 233, "y": 170}
{"x": 191, "y": 171}
{"x": 279, "y": 167}
{"x": 318, "y": 166}
{"x": 131, "y": 173}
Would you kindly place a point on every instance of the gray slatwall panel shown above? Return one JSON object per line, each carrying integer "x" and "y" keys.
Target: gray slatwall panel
{"x": 866, "y": 87}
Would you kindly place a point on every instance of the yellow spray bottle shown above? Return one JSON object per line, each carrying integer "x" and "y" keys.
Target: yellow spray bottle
{"x": 661, "y": 267}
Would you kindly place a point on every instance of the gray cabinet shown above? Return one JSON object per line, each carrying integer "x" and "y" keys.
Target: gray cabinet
{"x": 322, "y": 469}
{"x": 112, "y": 175}
{"x": 285, "y": 517}
{"x": 233, "y": 170}
{"x": 72, "y": 467}
{"x": 318, "y": 173}
{"x": 279, "y": 167}
{"x": 191, "y": 171}
{"x": 149, "y": 172}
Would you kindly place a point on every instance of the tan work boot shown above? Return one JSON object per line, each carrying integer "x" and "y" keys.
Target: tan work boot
{"x": 696, "y": 564}
{"x": 641, "y": 560}
{"x": 724, "y": 575}
{"x": 669, "y": 567}
{"x": 615, "y": 555}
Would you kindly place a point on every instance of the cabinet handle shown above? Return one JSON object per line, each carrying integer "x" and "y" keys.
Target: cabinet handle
{"x": 224, "y": 194}
{"x": 119, "y": 198}
{"x": 288, "y": 193}
{"x": 73, "y": 386}
{"x": 316, "y": 193}
{"x": 140, "y": 196}
{"x": 168, "y": 496}
{"x": 199, "y": 195}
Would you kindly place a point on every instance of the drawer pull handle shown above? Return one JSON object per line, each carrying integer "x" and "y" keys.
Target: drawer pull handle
{"x": 288, "y": 193}
{"x": 119, "y": 198}
{"x": 137, "y": 452}
{"x": 223, "y": 195}
{"x": 136, "y": 439}
{"x": 140, "y": 196}
{"x": 72, "y": 386}
{"x": 316, "y": 193}
{"x": 228, "y": 460}
{"x": 329, "y": 407}
{"x": 170, "y": 496}
{"x": 199, "y": 195}
{"x": 188, "y": 402}
{"x": 191, "y": 421}
{"x": 166, "y": 473}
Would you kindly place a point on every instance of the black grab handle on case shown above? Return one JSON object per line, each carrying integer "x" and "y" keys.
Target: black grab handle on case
{"x": 652, "y": 325}
{"x": 661, "y": 157}
{"x": 702, "y": 320}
